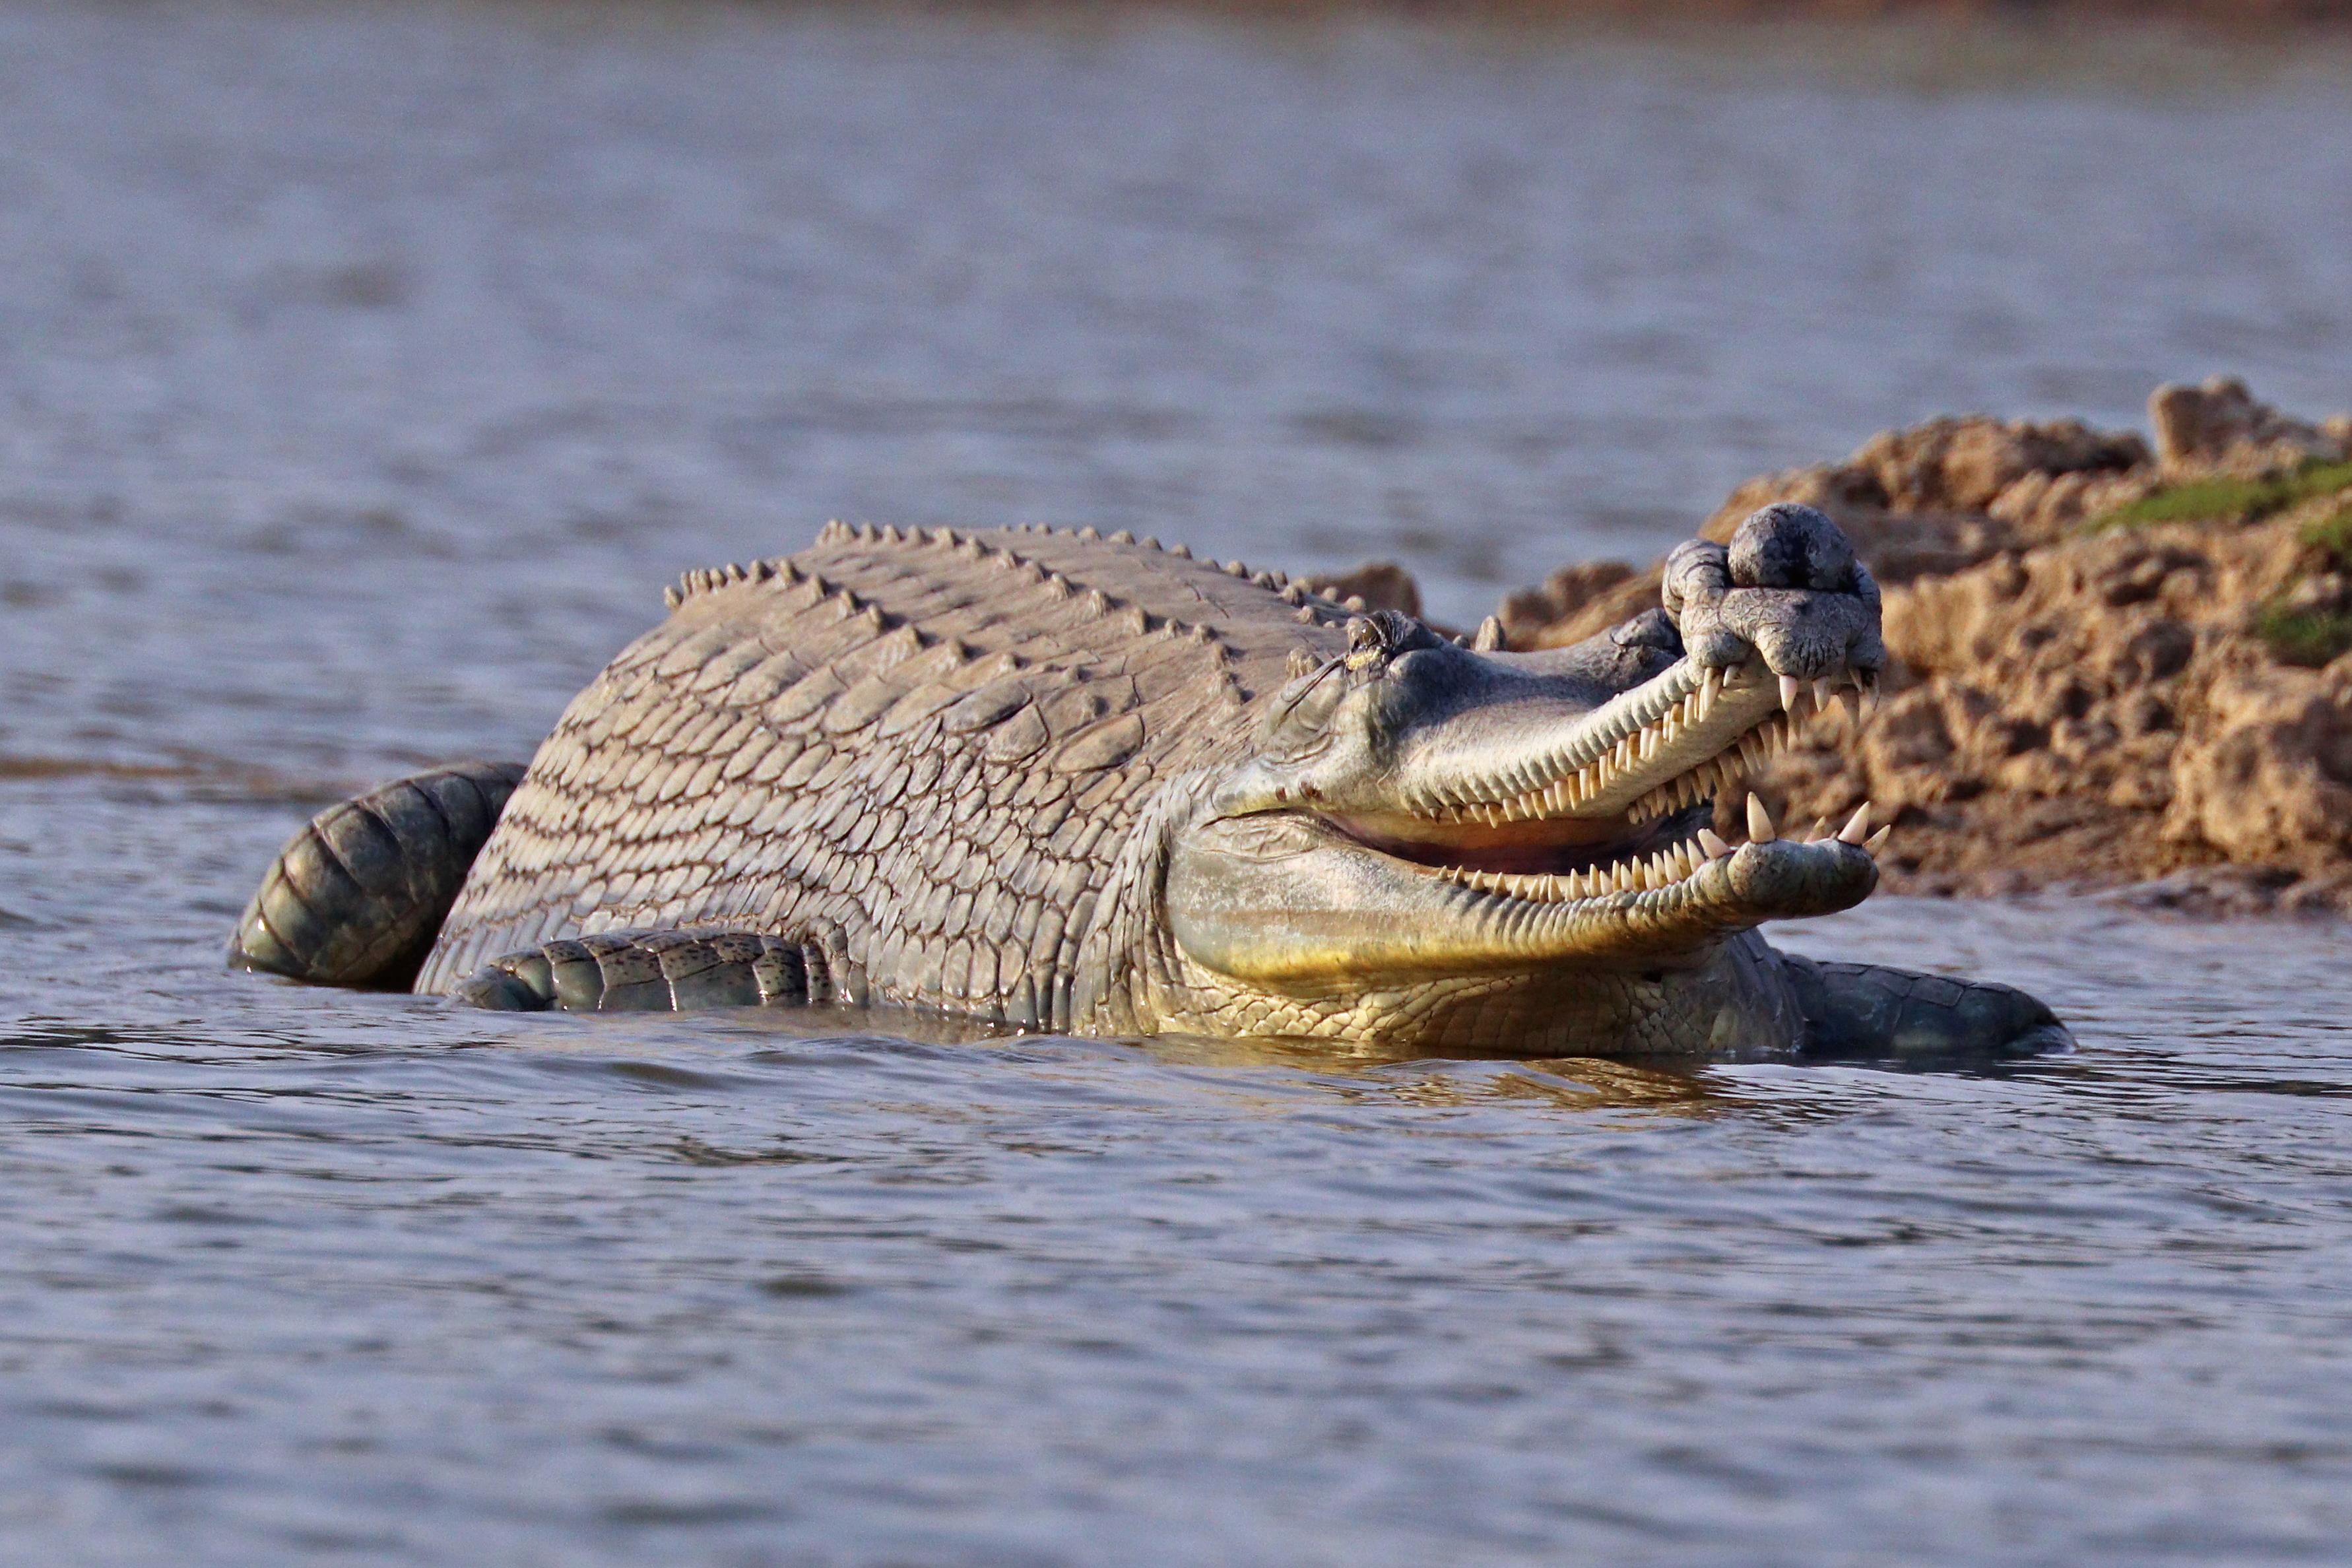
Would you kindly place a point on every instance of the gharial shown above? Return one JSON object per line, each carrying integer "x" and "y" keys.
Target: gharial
{"x": 1067, "y": 782}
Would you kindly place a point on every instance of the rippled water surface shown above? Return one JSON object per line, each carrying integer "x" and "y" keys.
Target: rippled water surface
{"x": 364, "y": 374}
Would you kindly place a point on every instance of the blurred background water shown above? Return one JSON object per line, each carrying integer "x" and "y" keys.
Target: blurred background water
{"x": 365, "y": 372}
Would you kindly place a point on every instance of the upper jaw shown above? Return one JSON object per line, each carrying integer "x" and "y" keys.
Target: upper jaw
{"x": 1685, "y": 734}
{"x": 1522, "y": 794}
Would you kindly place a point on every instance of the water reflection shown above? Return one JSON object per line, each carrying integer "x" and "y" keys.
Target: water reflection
{"x": 471, "y": 325}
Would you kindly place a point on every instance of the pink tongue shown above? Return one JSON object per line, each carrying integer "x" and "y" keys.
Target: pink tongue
{"x": 1557, "y": 844}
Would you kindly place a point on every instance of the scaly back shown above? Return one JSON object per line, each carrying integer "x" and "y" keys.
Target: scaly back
{"x": 932, "y": 746}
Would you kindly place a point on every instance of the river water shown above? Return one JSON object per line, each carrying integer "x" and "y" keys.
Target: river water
{"x": 364, "y": 374}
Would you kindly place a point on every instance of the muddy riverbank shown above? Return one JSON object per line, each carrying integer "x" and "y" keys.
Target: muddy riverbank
{"x": 2118, "y": 660}
{"x": 367, "y": 370}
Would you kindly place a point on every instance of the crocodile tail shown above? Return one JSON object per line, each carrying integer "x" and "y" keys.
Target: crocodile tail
{"x": 360, "y": 891}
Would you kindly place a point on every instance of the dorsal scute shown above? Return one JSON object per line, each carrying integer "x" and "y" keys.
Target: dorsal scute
{"x": 1127, "y": 587}
{"x": 709, "y": 578}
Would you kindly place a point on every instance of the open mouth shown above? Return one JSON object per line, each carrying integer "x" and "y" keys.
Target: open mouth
{"x": 1630, "y": 805}
{"x": 1542, "y": 847}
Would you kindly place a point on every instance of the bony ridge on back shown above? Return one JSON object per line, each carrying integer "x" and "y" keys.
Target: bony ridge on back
{"x": 1054, "y": 781}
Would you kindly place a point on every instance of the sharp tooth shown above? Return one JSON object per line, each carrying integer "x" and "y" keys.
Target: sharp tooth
{"x": 1791, "y": 693}
{"x": 1877, "y": 841}
{"x": 1820, "y": 830}
{"x": 1851, "y": 704}
{"x": 1857, "y": 827}
{"x": 1759, "y": 821}
{"x": 1712, "y": 842}
{"x": 1868, "y": 685}
{"x": 1823, "y": 689}
{"x": 1684, "y": 865}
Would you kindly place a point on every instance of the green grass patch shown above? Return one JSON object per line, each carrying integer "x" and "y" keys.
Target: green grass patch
{"x": 2230, "y": 500}
{"x": 2311, "y": 638}
{"x": 2333, "y": 534}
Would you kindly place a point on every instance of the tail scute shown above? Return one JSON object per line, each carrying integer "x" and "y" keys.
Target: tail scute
{"x": 360, "y": 891}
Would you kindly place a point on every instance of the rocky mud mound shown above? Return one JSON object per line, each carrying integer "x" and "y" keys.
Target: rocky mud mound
{"x": 2116, "y": 662}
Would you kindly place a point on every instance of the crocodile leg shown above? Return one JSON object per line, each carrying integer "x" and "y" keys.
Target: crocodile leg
{"x": 656, "y": 972}
{"x": 1871, "y": 1010}
{"x": 357, "y": 896}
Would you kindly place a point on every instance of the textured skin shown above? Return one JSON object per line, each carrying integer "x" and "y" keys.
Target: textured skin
{"x": 1868, "y": 1009}
{"x": 1039, "y": 779}
{"x": 652, "y": 971}
{"x": 357, "y": 896}
{"x": 937, "y": 751}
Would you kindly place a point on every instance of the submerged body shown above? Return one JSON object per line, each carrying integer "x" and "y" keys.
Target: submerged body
{"x": 1053, "y": 780}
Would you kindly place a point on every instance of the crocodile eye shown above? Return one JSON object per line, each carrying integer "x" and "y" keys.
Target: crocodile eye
{"x": 1373, "y": 639}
